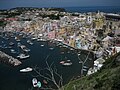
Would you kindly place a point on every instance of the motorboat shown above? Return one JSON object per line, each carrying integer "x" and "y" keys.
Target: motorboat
{"x": 51, "y": 48}
{"x": 12, "y": 51}
{"x": 85, "y": 67}
{"x": 84, "y": 70}
{"x": 23, "y": 56}
{"x": 67, "y": 63}
{"x": 17, "y": 39}
{"x": 24, "y": 48}
{"x": 42, "y": 45}
{"x": 29, "y": 42}
{"x": 62, "y": 62}
{"x": 34, "y": 38}
{"x": 28, "y": 69}
{"x": 34, "y": 82}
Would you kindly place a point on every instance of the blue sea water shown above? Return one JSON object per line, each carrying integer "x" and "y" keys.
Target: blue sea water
{"x": 108, "y": 9}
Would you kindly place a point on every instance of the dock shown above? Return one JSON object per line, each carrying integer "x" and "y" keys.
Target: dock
{"x": 4, "y": 58}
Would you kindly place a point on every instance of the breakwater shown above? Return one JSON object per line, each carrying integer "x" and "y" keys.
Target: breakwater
{"x": 9, "y": 59}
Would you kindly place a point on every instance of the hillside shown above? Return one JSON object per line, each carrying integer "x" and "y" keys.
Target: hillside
{"x": 107, "y": 78}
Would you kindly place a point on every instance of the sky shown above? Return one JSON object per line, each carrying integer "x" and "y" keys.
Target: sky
{"x": 7, "y": 4}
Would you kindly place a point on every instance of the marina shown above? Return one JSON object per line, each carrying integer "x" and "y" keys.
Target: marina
{"x": 37, "y": 57}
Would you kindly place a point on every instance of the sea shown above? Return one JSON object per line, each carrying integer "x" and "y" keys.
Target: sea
{"x": 106, "y": 9}
{"x": 40, "y": 52}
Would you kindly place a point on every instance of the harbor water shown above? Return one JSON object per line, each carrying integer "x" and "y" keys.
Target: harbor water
{"x": 41, "y": 51}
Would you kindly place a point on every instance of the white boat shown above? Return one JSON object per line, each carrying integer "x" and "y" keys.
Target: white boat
{"x": 17, "y": 39}
{"x": 84, "y": 70}
{"x": 12, "y": 51}
{"x": 23, "y": 56}
{"x": 29, "y": 42}
{"x": 42, "y": 45}
{"x": 24, "y": 48}
{"x": 67, "y": 63}
{"x": 34, "y": 82}
{"x": 51, "y": 48}
{"x": 33, "y": 38}
{"x": 28, "y": 69}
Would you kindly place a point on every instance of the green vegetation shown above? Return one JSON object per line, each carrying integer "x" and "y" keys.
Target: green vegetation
{"x": 57, "y": 9}
{"x": 107, "y": 78}
{"x": 2, "y": 23}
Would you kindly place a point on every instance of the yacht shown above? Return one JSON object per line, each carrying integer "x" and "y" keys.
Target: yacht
{"x": 23, "y": 56}
{"x": 28, "y": 69}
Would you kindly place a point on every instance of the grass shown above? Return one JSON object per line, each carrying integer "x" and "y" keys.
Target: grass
{"x": 107, "y": 78}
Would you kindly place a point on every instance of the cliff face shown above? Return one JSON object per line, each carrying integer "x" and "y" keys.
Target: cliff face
{"x": 107, "y": 78}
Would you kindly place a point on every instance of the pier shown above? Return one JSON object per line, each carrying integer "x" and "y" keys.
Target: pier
{"x": 9, "y": 59}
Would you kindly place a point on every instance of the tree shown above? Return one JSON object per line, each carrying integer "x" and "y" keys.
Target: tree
{"x": 51, "y": 74}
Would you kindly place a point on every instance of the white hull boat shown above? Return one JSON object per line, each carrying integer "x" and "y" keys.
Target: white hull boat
{"x": 28, "y": 69}
{"x": 23, "y": 56}
{"x": 34, "y": 82}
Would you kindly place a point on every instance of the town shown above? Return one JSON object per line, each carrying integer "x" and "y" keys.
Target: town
{"x": 95, "y": 32}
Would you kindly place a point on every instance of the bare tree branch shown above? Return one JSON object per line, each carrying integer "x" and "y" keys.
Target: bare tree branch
{"x": 50, "y": 75}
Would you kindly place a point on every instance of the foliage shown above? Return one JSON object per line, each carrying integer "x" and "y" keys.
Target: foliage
{"x": 107, "y": 78}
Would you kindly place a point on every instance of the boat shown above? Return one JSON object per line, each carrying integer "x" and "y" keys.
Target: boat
{"x": 28, "y": 69}
{"x": 62, "y": 62}
{"x": 42, "y": 45}
{"x": 39, "y": 84}
{"x": 67, "y": 63}
{"x": 17, "y": 39}
{"x": 11, "y": 43}
{"x": 34, "y": 38}
{"x": 29, "y": 42}
{"x": 51, "y": 48}
{"x": 34, "y": 82}
{"x": 19, "y": 44}
{"x": 23, "y": 56}
{"x": 12, "y": 51}
{"x": 84, "y": 70}
{"x": 85, "y": 67}
{"x": 24, "y": 48}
